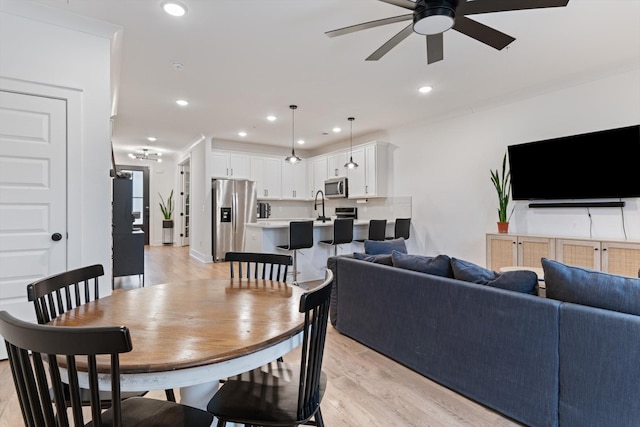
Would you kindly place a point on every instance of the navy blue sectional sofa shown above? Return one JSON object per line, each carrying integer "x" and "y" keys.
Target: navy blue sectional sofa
{"x": 539, "y": 361}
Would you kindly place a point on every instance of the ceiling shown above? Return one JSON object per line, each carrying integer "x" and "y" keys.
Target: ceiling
{"x": 245, "y": 59}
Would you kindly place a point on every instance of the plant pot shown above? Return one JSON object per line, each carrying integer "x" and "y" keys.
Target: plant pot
{"x": 167, "y": 223}
{"x": 503, "y": 227}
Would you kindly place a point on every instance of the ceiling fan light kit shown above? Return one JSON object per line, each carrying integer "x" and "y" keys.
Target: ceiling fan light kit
{"x": 434, "y": 17}
{"x": 293, "y": 158}
{"x": 147, "y": 155}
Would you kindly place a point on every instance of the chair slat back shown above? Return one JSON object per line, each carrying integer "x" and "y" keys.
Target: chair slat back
{"x": 73, "y": 347}
{"x": 253, "y": 265}
{"x": 315, "y": 305}
{"x": 57, "y": 294}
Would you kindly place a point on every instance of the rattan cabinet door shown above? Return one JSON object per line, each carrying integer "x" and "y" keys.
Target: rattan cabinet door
{"x": 502, "y": 251}
{"x": 621, "y": 258}
{"x": 531, "y": 250}
{"x": 579, "y": 253}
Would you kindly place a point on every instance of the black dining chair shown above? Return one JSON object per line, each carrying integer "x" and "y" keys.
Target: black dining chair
{"x": 377, "y": 230}
{"x": 253, "y": 265}
{"x": 75, "y": 350}
{"x": 300, "y": 237}
{"x": 291, "y": 394}
{"x": 342, "y": 233}
{"x": 401, "y": 229}
{"x": 57, "y": 294}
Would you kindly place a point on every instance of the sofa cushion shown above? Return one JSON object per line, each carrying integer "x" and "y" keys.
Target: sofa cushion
{"x": 378, "y": 259}
{"x": 593, "y": 288}
{"x": 377, "y": 247}
{"x": 438, "y": 266}
{"x": 518, "y": 281}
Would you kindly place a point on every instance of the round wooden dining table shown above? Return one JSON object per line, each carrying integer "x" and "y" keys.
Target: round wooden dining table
{"x": 189, "y": 334}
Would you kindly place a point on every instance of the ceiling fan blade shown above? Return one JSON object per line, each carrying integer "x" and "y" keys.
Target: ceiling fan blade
{"x": 367, "y": 25}
{"x": 487, "y": 6}
{"x": 435, "y": 48}
{"x": 482, "y": 33}
{"x": 407, "y": 4}
{"x": 393, "y": 42}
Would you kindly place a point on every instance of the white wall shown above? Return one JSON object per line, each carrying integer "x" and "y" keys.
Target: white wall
{"x": 56, "y": 54}
{"x": 444, "y": 166}
{"x": 200, "y": 238}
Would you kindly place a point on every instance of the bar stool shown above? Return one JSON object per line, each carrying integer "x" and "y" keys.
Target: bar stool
{"x": 300, "y": 237}
{"x": 401, "y": 229}
{"x": 377, "y": 230}
{"x": 342, "y": 233}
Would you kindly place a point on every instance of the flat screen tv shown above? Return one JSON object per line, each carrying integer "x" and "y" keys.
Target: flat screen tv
{"x": 596, "y": 165}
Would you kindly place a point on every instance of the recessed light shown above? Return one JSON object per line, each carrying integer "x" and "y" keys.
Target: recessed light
{"x": 242, "y": 133}
{"x": 182, "y": 102}
{"x": 151, "y": 138}
{"x": 425, "y": 89}
{"x": 301, "y": 141}
{"x": 174, "y": 8}
{"x": 271, "y": 118}
{"x": 336, "y": 129}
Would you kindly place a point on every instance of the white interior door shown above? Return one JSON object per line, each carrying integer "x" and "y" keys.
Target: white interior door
{"x": 33, "y": 196}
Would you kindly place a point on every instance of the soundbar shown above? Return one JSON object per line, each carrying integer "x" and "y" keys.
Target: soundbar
{"x": 578, "y": 205}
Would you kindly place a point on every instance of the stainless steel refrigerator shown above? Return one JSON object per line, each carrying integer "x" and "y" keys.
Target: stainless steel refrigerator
{"x": 234, "y": 205}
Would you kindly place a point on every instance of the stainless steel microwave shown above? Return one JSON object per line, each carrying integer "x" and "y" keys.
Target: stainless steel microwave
{"x": 336, "y": 188}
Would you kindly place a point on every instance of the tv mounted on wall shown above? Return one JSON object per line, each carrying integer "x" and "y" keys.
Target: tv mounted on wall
{"x": 596, "y": 165}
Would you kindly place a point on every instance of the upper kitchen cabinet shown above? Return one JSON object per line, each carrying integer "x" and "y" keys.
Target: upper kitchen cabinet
{"x": 335, "y": 164}
{"x": 230, "y": 165}
{"x": 368, "y": 179}
{"x": 266, "y": 172}
{"x": 294, "y": 181}
{"x": 317, "y": 174}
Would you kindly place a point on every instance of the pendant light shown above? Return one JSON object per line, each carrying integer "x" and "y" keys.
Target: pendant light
{"x": 293, "y": 158}
{"x": 351, "y": 164}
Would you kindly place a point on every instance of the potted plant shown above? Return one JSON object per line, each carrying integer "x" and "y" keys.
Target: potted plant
{"x": 167, "y": 210}
{"x": 502, "y": 184}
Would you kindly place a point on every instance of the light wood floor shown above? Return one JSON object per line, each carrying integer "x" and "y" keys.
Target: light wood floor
{"x": 364, "y": 387}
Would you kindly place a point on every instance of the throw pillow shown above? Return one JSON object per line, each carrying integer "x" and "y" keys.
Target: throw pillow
{"x": 518, "y": 281}
{"x": 438, "y": 266}
{"x": 377, "y": 247}
{"x": 377, "y": 259}
{"x": 593, "y": 288}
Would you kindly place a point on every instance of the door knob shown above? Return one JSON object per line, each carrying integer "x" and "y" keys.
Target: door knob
{"x": 56, "y": 236}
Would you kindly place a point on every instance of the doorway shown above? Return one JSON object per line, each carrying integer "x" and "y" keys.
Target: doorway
{"x": 140, "y": 198}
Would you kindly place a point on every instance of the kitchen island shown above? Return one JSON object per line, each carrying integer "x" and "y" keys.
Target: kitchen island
{"x": 265, "y": 236}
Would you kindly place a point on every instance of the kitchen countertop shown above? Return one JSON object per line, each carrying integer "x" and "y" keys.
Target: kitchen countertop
{"x": 284, "y": 223}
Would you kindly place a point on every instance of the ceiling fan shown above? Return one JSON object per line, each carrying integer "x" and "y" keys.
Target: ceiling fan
{"x": 433, "y": 17}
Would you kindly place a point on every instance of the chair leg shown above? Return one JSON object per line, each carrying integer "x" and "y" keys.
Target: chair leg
{"x": 318, "y": 418}
{"x": 171, "y": 396}
{"x": 295, "y": 266}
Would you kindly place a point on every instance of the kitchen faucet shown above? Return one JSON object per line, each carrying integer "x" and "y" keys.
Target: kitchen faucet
{"x": 315, "y": 206}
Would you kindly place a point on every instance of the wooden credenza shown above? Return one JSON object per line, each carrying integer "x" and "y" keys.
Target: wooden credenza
{"x": 610, "y": 256}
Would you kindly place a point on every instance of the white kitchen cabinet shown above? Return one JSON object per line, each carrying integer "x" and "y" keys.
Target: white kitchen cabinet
{"x": 317, "y": 175}
{"x": 294, "y": 181}
{"x": 357, "y": 177}
{"x": 266, "y": 172}
{"x": 369, "y": 178}
{"x": 335, "y": 164}
{"x": 230, "y": 165}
